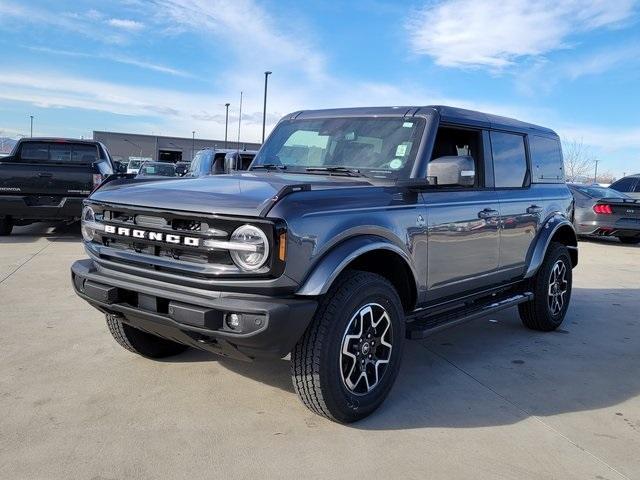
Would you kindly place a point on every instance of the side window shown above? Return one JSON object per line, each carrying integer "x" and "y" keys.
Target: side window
{"x": 509, "y": 159}
{"x": 637, "y": 189}
{"x": 456, "y": 157}
{"x": 546, "y": 158}
{"x": 624, "y": 184}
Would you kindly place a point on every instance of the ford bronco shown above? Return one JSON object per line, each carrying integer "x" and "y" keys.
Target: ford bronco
{"x": 352, "y": 230}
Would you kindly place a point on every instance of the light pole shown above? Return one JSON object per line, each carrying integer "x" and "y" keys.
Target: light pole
{"x": 239, "y": 121}
{"x": 31, "y": 117}
{"x": 264, "y": 108}
{"x": 595, "y": 174}
{"x": 193, "y": 145}
{"x": 226, "y": 123}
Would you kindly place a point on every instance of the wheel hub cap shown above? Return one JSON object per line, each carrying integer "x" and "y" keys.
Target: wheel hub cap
{"x": 366, "y": 349}
{"x": 558, "y": 287}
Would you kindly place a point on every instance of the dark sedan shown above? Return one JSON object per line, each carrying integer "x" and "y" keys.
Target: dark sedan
{"x": 605, "y": 212}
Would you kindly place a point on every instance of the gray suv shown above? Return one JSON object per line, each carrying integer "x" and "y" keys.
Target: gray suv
{"x": 352, "y": 230}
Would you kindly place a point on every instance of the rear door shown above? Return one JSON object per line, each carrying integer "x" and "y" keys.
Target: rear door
{"x": 521, "y": 204}
{"x": 50, "y": 168}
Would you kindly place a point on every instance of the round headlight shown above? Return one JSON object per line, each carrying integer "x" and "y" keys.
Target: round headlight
{"x": 88, "y": 218}
{"x": 253, "y": 247}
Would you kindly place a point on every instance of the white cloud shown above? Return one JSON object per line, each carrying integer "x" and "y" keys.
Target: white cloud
{"x": 477, "y": 33}
{"x": 114, "y": 58}
{"x": 125, "y": 24}
{"x": 249, "y": 29}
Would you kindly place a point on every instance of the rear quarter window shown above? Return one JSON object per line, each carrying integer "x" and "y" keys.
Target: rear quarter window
{"x": 546, "y": 159}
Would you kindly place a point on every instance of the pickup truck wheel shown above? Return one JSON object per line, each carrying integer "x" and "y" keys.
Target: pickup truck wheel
{"x": 629, "y": 240}
{"x": 6, "y": 226}
{"x": 552, "y": 291}
{"x": 140, "y": 342}
{"x": 346, "y": 362}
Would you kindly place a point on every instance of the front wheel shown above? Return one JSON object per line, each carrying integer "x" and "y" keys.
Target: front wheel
{"x": 629, "y": 240}
{"x": 551, "y": 291}
{"x": 142, "y": 343}
{"x": 348, "y": 359}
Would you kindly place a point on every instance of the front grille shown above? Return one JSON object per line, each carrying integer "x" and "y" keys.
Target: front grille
{"x": 189, "y": 255}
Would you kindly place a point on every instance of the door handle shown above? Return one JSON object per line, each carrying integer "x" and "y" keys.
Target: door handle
{"x": 45, "y": 174}
{"x": 534, "y": 209}
{"x": 488, "y": 213}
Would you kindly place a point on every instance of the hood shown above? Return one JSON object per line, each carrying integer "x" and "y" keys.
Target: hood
{"x": 242, "y": 194}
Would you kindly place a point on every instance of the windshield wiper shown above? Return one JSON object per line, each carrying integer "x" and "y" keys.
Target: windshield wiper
{"x": 269, "y": 166}
{"x": 352, "y": 172}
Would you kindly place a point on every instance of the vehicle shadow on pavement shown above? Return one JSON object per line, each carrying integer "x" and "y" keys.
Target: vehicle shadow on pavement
{"x": 493, "y": 371}
{"x": 606, "y": 241}
{"x": 51, "y": 231}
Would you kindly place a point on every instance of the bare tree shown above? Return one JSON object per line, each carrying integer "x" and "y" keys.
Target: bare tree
{"x": 605, "y": 177}
{"x": 579, "y": 160}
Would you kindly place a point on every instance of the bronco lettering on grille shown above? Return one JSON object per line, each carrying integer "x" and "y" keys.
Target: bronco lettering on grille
{"x": 153, "y": 236}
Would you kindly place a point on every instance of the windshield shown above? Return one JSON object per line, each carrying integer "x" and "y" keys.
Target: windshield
{"x": 595, "y": 191}
{"x": 163, "y": 169}
{"x": 376, "y": 147}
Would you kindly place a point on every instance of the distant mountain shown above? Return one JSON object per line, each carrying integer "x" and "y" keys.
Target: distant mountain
{"x": 6, "y": 144}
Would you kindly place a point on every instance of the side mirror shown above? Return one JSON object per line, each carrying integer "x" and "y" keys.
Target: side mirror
{"x": 453, "y": 171}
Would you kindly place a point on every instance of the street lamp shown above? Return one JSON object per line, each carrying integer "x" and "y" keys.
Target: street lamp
{"x": 264, "y": 109}
{"x": 595, "y": 175}
{"x": 193, "y": 145}
{"x": 226, "y": 124}
{"x": 31, "y": 117}
{"x": 135, "y": 145}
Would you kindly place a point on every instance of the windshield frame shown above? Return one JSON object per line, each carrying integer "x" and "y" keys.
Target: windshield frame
{"x": 383, "y": 172}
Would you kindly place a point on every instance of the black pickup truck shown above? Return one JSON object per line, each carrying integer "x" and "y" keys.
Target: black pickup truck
{"x": 47, "y": 178}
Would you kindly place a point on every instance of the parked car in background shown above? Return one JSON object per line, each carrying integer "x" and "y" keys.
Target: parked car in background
{"x": 218, "y": 161}
{"x": 606, "y": 212}
{"x": 157, "y": 169}
{"x": 47, "y": 179}
{"x": 352, "y": 230}
{"x": 629, "y": 185}
{"x": 133, "y": 166}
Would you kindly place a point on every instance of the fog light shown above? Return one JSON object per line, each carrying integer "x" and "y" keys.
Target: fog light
{"x": 233, "y": 321}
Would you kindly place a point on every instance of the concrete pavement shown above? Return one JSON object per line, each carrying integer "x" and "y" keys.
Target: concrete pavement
{"x": 488, "y": 399}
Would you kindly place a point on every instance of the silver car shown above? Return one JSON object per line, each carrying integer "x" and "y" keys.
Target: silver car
{"x": 605, "y": 212}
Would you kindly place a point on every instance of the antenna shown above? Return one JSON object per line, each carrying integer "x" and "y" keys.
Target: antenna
{"x": 239, "y": 122}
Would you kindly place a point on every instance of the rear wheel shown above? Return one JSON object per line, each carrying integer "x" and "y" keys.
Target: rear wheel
{"x": 140, "y": 342}
{"x": 629, "y": 240}
{"x": 551, "y": 291}
{"x": 346, "y": 362}
{"x": 6, "y": 226}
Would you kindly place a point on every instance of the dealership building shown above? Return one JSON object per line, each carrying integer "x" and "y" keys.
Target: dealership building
{"x": 124, "y": 146}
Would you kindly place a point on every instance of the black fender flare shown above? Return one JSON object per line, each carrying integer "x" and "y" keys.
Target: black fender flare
{"x": 546, "y": 234}
{"x": 333, "y": 263}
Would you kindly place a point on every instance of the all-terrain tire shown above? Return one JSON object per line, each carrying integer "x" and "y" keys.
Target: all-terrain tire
{"x": 629, "y": 240}
{"x": 318, "y": 362}
{"x": 6, "y": 226}
{"x": 542, "y": 313}
{"x": 142, "y": 343}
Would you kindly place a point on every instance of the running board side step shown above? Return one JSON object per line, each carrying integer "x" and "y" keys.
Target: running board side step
{"x": 428, "y": 325}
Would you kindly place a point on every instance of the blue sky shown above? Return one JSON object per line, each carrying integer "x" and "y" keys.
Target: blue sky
{"x": 168, "y": 66}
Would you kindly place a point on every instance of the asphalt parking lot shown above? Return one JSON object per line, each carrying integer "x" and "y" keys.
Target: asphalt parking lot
{"x": 484, "y": 400}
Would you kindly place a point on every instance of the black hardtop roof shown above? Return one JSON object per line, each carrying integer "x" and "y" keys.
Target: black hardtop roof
{"x": 447, "y": 114}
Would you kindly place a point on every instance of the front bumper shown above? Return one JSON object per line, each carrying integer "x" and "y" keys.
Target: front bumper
{"x": 35, "y": 207}
{"x": 272, "y": 325}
